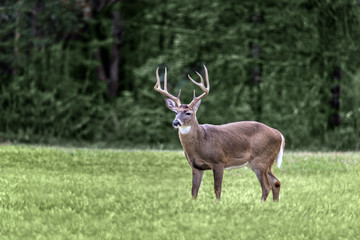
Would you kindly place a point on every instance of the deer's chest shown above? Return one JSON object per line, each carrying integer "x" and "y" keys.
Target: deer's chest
{"x": 197, "y": 162}
{"x": 202, "y": 159}
{"x": 201, "y": 154}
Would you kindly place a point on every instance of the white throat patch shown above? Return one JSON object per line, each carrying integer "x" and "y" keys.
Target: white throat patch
{"x": 185, "y": 129}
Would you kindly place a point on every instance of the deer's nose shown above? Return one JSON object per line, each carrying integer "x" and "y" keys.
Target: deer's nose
{"x": 176, "y": 123}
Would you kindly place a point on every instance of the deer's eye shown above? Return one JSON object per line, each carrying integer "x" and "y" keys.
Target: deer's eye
{"x": 188, "y": 113}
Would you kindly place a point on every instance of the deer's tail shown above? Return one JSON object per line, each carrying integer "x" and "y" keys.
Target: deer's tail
{"x": 281, "y": 152}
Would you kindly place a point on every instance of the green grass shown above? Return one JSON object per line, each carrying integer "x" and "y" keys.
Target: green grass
{"x": 55, "y": 193}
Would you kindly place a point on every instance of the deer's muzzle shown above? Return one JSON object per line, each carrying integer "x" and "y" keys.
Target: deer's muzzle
{"x": 176, "y": 123}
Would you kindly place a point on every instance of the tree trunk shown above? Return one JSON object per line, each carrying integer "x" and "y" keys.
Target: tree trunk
{"x": 17, "y": 37}
{"x": 110, "y": 72}
{"x": 118, "y": 39}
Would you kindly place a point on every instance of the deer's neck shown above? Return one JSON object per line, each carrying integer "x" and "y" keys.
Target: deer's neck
{"x": 189, "y": 135}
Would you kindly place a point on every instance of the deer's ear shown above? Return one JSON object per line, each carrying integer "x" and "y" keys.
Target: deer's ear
{"x": 196, "y": 106}
{"x": 171, "y": 104}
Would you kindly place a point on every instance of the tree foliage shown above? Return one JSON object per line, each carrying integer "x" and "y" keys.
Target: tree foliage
{"x": 270, "y": 61}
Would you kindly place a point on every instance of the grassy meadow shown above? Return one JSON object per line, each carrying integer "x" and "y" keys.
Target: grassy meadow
{"x": 64, "y": 193}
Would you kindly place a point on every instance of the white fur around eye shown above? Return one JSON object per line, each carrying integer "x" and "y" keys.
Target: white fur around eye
{"x": 185, "y": 129}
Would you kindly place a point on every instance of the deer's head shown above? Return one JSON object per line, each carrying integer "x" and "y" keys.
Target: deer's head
{"x": 185, "y": 113}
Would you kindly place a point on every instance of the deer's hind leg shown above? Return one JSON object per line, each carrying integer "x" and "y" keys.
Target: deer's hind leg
{"x": 275, "y": 185}
{"x": 264, "y": 182}
{"x": 261, "y": 169}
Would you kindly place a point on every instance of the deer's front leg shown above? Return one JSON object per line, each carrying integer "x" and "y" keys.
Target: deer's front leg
{"x": 196, "y": 181}
{"x": 218, "y": 172}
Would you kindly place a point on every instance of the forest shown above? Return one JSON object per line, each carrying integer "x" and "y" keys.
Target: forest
{"x": 83, "y": 71}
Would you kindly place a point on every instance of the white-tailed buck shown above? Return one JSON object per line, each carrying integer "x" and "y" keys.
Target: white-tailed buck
{"x": 218, "y": 147}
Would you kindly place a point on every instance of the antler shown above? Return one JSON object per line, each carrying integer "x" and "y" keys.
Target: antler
{"x": 202, "y": 86}
{"x": 164, "y": 91}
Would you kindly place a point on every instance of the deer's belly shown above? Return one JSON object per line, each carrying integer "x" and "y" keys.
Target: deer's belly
{"x": 237, "y": 166}
{"x": 237, "y": 162}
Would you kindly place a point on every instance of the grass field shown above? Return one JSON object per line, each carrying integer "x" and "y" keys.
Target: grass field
{"x": 55, "y": 193}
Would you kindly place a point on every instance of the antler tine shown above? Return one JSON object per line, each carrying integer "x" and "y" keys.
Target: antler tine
{"x": 157, "y": 79}
{"x": 165, "y": 80}
{"x": 202, "y": 86}
{"x": 164, "y": 91}
{"x": 207, "y": 78}
{"x": 195, "y": 82}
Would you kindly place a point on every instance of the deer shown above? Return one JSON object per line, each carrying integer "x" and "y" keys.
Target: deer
{"x": 226, "y": 146}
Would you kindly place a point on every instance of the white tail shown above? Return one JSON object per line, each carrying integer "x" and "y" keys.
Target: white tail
{"x": 279, "y": 157}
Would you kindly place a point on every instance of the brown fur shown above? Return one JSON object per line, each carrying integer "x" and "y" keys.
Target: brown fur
{"x": 217, "y": 147}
